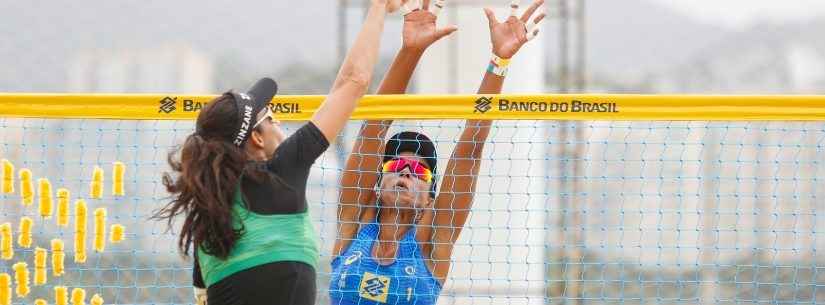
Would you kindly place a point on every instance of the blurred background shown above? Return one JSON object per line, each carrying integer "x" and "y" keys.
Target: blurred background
{"x": 644, "y": 46}
{"x": 566, "y": 212}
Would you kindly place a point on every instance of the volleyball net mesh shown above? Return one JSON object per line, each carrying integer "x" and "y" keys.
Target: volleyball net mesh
{"x": 604, "y": 211}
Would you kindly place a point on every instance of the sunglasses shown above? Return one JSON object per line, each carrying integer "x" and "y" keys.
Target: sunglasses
{"x": 417, "y": 168}
{"x": 267, "y": 115}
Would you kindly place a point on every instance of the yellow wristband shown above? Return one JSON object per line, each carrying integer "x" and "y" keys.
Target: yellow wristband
{"x": 500, "y": 62}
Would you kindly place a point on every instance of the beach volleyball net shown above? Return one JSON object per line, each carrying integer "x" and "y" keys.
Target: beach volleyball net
{"x": 585, "y": 199}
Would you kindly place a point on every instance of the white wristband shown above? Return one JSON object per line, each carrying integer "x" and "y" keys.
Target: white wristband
{"x": 498, "y": 65}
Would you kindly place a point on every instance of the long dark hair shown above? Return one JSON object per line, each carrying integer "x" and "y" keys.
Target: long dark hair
{"x": 207, "y": 170}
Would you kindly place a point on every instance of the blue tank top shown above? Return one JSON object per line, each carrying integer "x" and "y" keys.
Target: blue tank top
{"x": 358, "y": 279}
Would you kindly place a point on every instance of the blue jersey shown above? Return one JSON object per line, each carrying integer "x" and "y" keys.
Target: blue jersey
{"x": 358, "y": 279}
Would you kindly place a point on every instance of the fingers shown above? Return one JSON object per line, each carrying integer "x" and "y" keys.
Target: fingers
{"x": 409, "y": 7}
{"x": 491, "y": 16}
{"x": 514, "y": 7}
{"x": 433, "y": 6}
{"x": 530, "y": 10}
{"x": 539, "y": 17}
{"x": 405, "y": 10}
{"x": 533, "y": 27}
{"x": 532, "y": 34}
{"x": 436, "y": 8}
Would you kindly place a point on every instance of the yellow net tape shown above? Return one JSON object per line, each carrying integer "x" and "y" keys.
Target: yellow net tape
{"x": 494, "y": 107}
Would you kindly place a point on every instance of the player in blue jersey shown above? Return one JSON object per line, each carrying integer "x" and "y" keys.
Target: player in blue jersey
{"x": 395, "y": 232}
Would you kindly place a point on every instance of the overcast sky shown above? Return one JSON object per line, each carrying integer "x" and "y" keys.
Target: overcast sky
{"x": 741, "y": 13}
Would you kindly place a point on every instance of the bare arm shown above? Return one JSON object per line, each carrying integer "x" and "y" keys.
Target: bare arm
{"x": 455, "y": 199}
{"x": 361, "y": 173}
{"x": 354, "y": 76}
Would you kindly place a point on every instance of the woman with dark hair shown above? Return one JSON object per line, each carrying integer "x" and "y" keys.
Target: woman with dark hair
{"x": 240, "y": 185}
{"x": 395, "y": 232}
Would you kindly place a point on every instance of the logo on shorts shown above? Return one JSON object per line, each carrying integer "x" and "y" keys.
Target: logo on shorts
{"x": 483, "y": 104}
{"x": 167, "y": 105}
{"x": 374, "y": 287}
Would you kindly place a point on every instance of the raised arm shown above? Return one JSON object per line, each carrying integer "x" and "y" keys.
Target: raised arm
{"x": 361, "y": 172}
{"x": 455, "y": 198}
{"x": 355, "y": 74}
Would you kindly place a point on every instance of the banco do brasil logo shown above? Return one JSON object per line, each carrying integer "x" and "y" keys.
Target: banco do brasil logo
{"x": 167, "y": 105}
{"x": 483, "y": 104}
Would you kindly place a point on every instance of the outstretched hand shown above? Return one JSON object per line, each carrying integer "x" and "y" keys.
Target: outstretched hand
{"x": 420, "y": 30}
{"x": 509, "y": 36}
